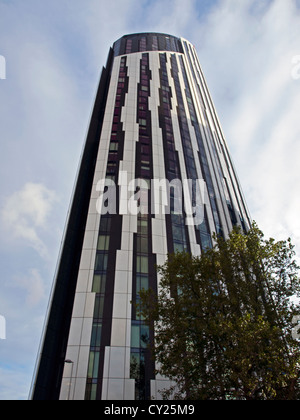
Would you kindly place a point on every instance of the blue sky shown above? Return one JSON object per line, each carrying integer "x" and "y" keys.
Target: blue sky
{"x": 54, "y": 53}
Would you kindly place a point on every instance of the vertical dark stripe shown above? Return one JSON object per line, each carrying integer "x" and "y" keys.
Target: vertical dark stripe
{"x": 202, "y": 91}
{"x": 203, "y": 239}
{"x": 177, "y": 235}
{"x": 144, "y": 261}
{"x": 206, "y": 172}
{"x": 108, "y": 257}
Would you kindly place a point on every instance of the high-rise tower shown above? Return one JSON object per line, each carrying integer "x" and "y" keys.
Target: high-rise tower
{"x": 155, "y": 177}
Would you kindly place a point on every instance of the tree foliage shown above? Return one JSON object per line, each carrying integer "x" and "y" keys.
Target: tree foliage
{"x": 223, "y": 322}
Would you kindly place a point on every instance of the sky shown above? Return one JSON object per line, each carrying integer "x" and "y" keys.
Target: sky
{"x": 51, "y": 56}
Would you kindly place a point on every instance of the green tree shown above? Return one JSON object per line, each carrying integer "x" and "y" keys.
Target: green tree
{"x": 223, "y": 321}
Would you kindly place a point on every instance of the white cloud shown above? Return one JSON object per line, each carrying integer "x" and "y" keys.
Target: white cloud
{"x": 33, "y": 286}
{"x": 25, "y": 214}
{"x": 246, "y": 49}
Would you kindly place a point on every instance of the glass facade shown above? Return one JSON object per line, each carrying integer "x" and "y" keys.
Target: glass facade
{"x": 140, "y": 358}
{"x": 177, "y": 230}
{"x": 134, "y": 43}
{"x": 153, "y": 120}
{"x": 105, "y": 249}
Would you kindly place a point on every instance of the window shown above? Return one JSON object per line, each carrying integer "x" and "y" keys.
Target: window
{"x": 142, "y": 245}
{"x": 96, "y": 334}
{"x": 142, "y": 264}
{"x": 113, "y": 146}
{"x": 145, "y": 165}
{"x": 91, "y": 389}
{"x": 205, "y": 241}
{"x": 103, "y": 243}
{"x": 128, "y": 46}
{"x": 178, "y": 247}
{"x": 142, "y": 282}
{"x": 135, "y": 336}
{"x": 111, "y": 168}
{"x": 145, "y": 160}
{"x": 93, "y": 370}
{"x": 142, "y": 122}
{"x": 145, "y": 150}
{"x": 101, "y": 262}
{"x": 99, "y": 306}
{"x": 143, "y": 227}
{"x": 99, "y": 283}
{"x": 143, "y": 45}
{"x": 105, "y": 223}
{"x": 144, "y": 139}
{"x": 112, "y": 157}
{"x": 154, "y": 43}
{"x": 177, "y": 233}
{"x": 144, "y": 336}
{"x": 139, "y": 335}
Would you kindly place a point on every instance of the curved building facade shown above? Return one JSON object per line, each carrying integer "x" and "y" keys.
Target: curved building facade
{"x": 155, "y": 177}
